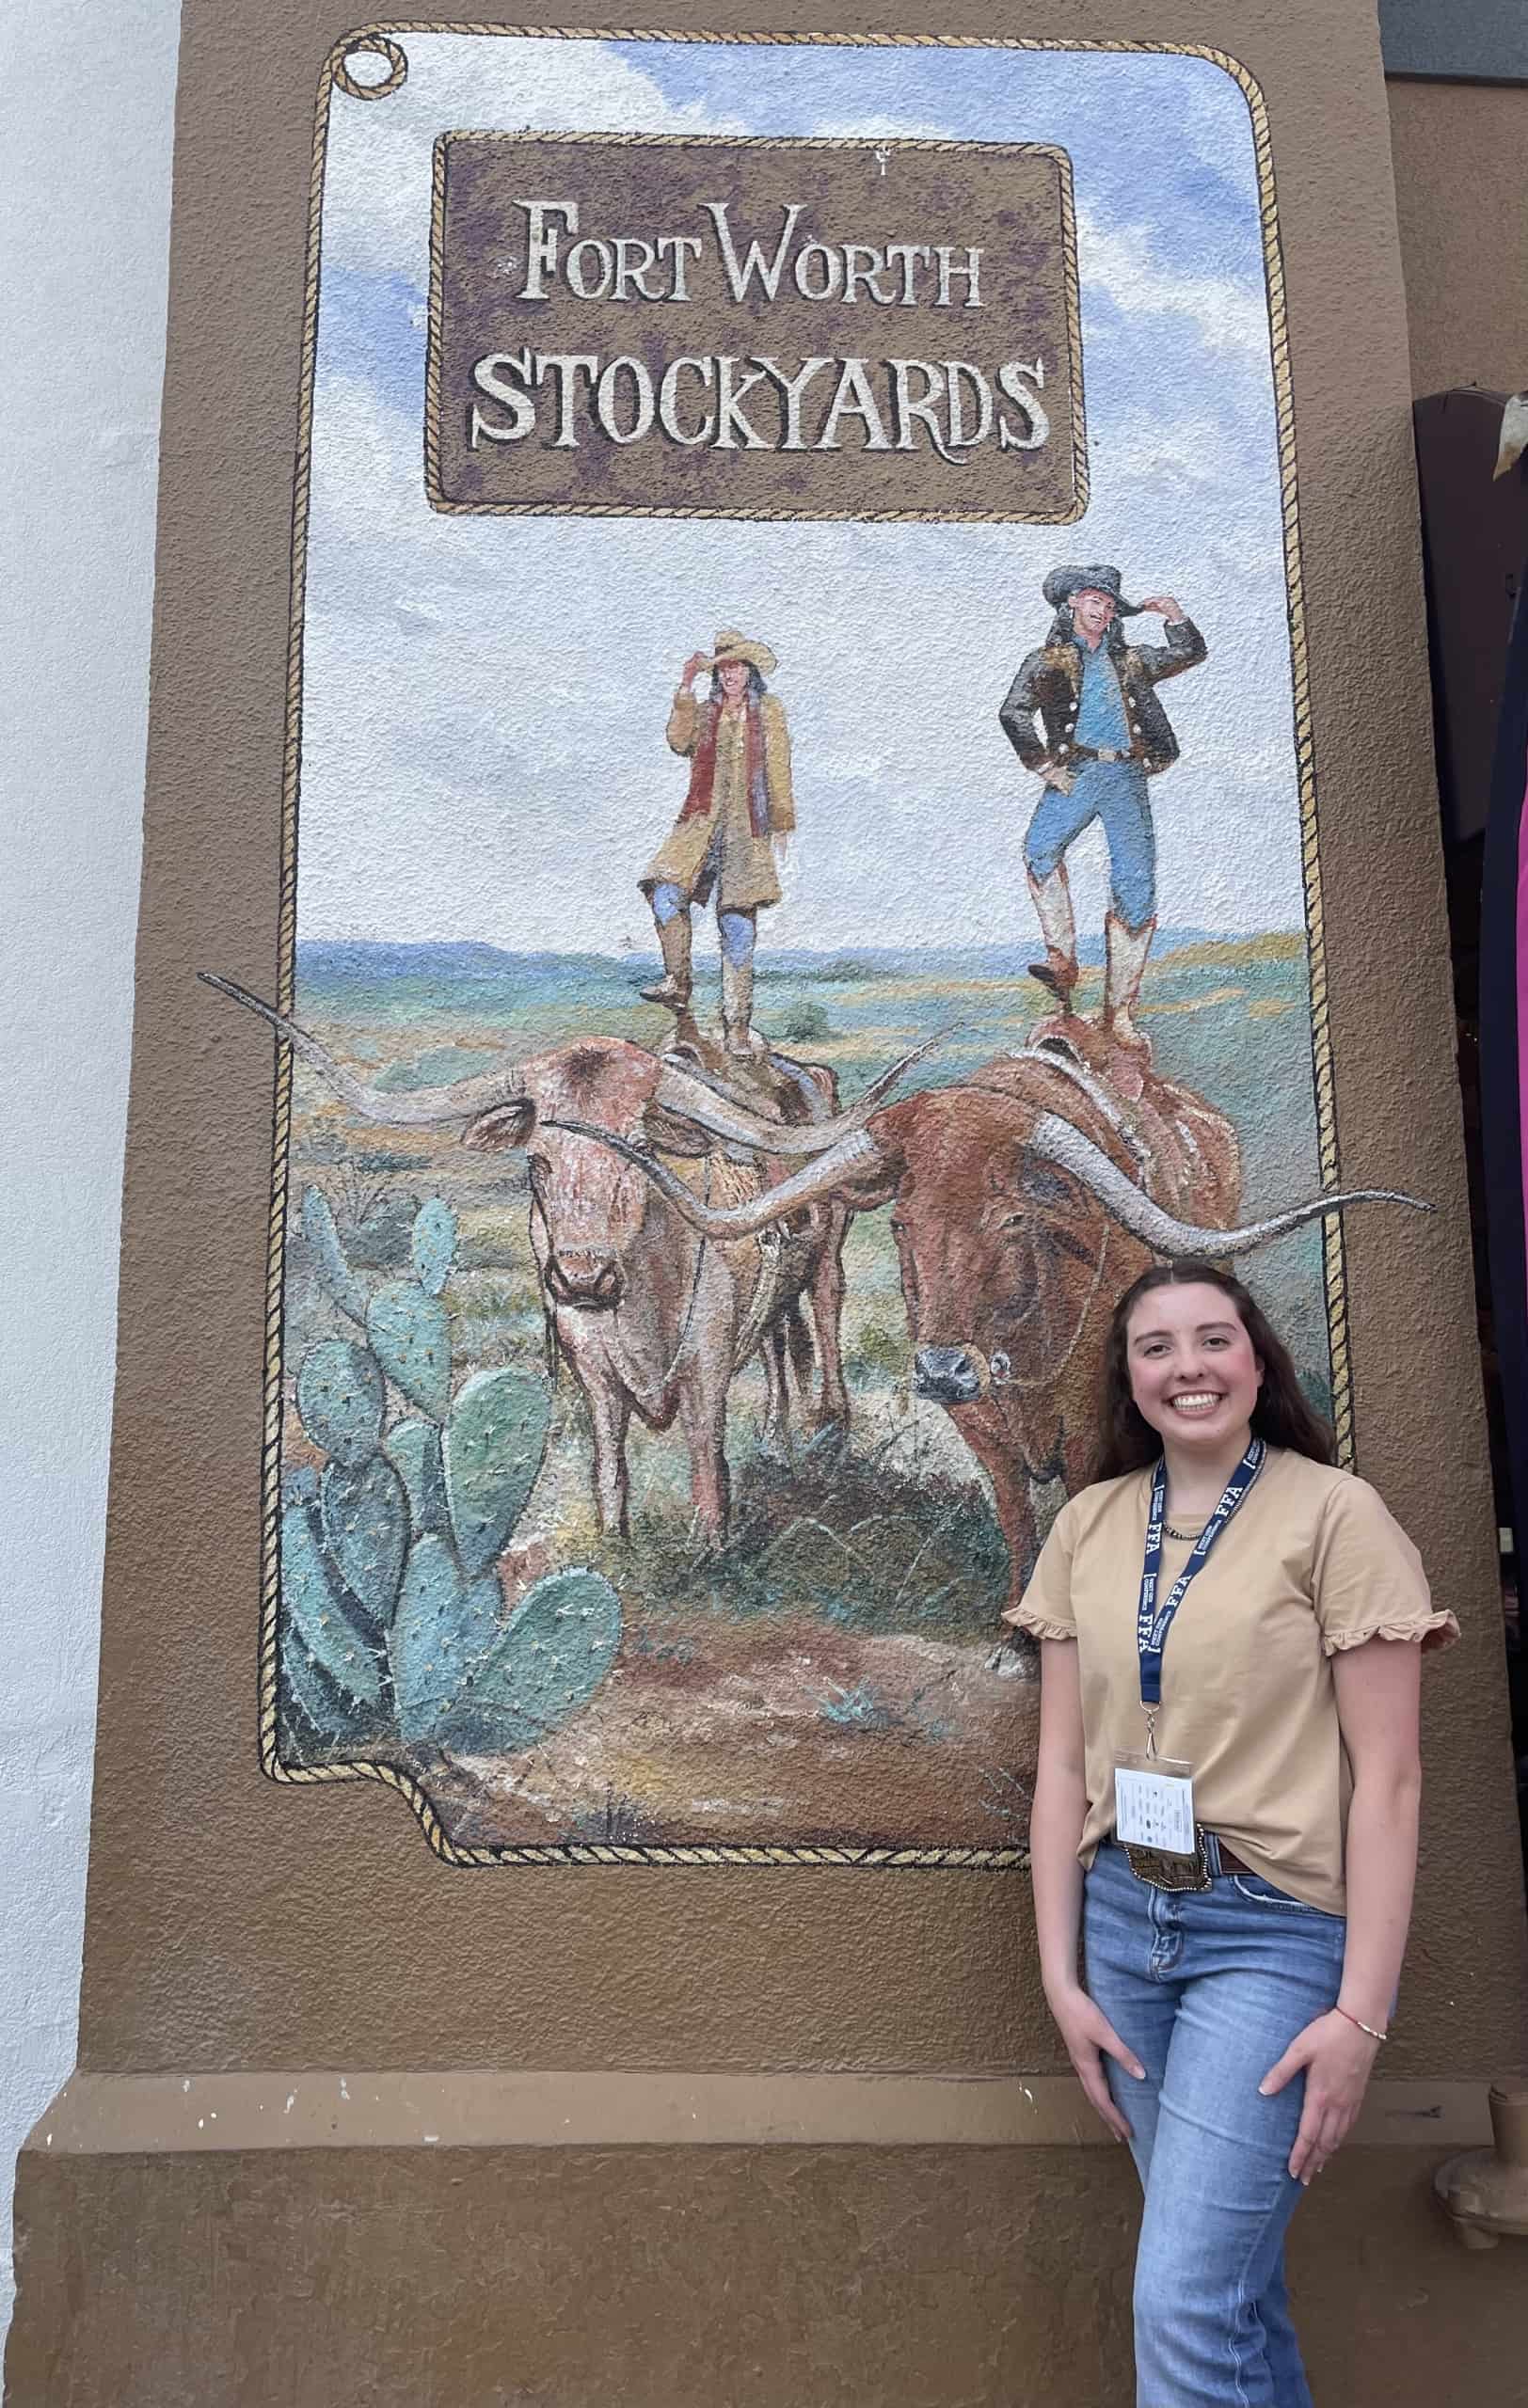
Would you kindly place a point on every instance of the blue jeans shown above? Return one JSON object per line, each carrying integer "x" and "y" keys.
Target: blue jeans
{"x": 1115, "y": 792}
{"x": 1209, "y": 1988}
{"x": 735, "y": 928}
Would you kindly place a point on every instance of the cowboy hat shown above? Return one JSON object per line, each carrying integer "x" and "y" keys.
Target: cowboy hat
{"x": 1063, "y": 583}
{"x": 730, "y": 645}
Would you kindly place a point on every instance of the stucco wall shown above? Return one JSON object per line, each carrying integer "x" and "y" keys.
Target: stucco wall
{"x": 1465, "y": 254}
{"x": 230, "y": 1951}
{"x": 90, "y": 101}
{"x": 275, "y": 1938}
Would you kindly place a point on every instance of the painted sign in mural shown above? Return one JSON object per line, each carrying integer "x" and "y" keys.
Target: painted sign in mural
{"x": 739, "y": 369}
{"x": 801, "y": 881}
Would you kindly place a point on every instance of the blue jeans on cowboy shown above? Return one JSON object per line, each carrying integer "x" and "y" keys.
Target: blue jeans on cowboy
{"x": 1114, "y": 792}
{"x": 1209, "y": 1988}
{"x": 735, "y": 928}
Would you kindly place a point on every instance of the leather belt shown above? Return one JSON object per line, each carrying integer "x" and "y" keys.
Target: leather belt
{"x": 1101, "y": 752}
{"x": 1182, "y": 1873}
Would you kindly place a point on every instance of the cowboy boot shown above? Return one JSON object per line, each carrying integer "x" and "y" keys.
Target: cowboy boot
{"x": 1053, "y": 904}
{"x": 1126, "y": 964}
{"x": 736, "y": 1004}
{"x": 673, "y": 988}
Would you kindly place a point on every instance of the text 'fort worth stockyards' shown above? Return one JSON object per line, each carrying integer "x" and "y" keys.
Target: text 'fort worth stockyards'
{"x": 754, "y": 328}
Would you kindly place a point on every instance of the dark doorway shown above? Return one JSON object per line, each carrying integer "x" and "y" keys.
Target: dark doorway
{"x": 1475, "y": 543}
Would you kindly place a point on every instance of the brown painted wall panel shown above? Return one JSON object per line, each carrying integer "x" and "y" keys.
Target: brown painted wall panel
{"x": 835, "y": 2242}
{"x": 1463, "y": 217}
{"x": 234, "y": 1923}
{"x": 680, "y": 2278}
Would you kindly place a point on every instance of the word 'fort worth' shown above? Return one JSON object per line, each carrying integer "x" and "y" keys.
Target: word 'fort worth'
{"x": 731, "y": 400}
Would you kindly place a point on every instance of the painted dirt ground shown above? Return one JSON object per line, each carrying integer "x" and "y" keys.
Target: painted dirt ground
{"x": 826, "y": 1675}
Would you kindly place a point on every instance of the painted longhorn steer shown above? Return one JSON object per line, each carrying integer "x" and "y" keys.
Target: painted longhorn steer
{"x": 1024, "y": 1201}
{"x": 653, "y": 1315}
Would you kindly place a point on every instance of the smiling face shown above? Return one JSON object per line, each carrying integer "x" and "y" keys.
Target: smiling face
{"x": 1093, "y": 612}
{"x": 734, "y": 676}
{"x": 1193, "y": 1373}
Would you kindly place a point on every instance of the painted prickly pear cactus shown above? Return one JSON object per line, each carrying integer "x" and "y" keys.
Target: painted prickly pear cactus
{"x": 548, "y": 1661}
{"x": 393, "y": 1627}
{"x": 491, "y": 1450}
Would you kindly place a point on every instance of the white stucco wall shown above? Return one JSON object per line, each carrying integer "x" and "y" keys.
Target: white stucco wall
{"x": 87, "y": 96}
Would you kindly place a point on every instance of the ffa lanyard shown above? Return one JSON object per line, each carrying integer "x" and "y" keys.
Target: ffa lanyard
{"x": 1153, "y": 1620}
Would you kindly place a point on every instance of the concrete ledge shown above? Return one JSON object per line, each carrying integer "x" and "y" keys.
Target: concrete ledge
{"x": 775, "y": 2276}
{"x": 105, "y": 2114}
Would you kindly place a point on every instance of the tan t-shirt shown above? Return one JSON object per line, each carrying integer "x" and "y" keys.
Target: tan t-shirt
{"x": 1310, "y": 1563}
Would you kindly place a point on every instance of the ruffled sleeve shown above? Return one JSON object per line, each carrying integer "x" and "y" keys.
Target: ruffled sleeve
{"x": 1368, "y": 1581}
{"x": 1045, "y": 1611}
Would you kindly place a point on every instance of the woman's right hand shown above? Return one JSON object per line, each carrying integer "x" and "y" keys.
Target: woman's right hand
{"x": 693, "y": 667}
{"x": 1089, "y": 2037}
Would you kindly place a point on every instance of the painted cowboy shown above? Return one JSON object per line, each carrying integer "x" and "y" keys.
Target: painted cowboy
{"x": 1101, "y": 734}
{"x": 738, "y": 814}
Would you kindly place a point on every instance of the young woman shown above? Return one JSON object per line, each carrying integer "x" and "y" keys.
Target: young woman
{"x": 1230, "y": 1633}
{"x": 738, "y": 810}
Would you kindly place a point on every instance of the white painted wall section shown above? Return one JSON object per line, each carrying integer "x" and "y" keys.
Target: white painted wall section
{"x": 86, "y": 100}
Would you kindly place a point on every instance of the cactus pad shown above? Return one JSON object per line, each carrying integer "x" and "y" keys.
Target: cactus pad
{"x": 364, "y": 1518}
{"x": 540, "y": 1671}
{"x": 411, "y": 1335}
{"x": 444, "y": 1625}
{"x": 341, "y": 1398}
{"x": 329, "y": 1255}
{"x": 321, "y": 1623}
{"x": 494, "y": 1443}
{"x": 319, "y": 1720}
{"x": 413, "y": 1448}
{"x": 434, "y": 1245}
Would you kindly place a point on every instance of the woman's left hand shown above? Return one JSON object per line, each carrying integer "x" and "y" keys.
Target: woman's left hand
{"x": 1336, "y": 2059}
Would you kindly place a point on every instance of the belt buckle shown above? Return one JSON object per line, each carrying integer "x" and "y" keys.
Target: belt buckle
{"x": 1164, "y": 1870}
{"x": 1107, "y": 753}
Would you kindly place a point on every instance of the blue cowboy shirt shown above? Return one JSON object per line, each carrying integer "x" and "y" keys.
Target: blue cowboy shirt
{"x": 1103, "y": 723}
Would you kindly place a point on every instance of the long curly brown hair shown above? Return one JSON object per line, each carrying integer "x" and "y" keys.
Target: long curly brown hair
{"x": 1282, "y": 1413}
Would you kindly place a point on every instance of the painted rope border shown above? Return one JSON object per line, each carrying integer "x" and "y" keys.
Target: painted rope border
{"x": 373, "y": 37}
{"x": 435, "y": 317}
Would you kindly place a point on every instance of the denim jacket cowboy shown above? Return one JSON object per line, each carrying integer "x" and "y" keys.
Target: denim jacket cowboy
{"x": 1049, "y": 685}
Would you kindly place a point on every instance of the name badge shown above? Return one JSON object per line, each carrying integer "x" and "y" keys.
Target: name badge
{"x": 1154, "y": 1804}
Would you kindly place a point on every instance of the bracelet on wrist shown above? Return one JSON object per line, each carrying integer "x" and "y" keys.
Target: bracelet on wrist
{"x": 1357, "y": 2021}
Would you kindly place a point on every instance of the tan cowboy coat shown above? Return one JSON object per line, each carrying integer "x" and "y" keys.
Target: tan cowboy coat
{"x": 745, "y": 878}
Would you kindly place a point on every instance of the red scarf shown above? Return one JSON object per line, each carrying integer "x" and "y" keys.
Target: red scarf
{"x": 703, "y": 768}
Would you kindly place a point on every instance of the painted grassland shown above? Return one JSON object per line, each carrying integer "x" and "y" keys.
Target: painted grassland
{"x": 827, "y": 1676}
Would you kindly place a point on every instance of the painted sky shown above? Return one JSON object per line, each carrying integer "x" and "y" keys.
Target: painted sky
{"x": 485, "y": 699}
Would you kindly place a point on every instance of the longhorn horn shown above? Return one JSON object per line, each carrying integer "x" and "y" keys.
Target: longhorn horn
{"x": 439, "y": 1105}
{"x": 689, "y": 1098}
{"x": 855, "y": 1157}
{"x": 724, "y": 1116}
{"x": 1058, "y": 1142}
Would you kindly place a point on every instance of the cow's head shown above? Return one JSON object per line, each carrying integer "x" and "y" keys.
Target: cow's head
{"x": 587, "y": 1204}
{"x": 1001, "y": 1250}
{"x": 1047, "y": 1187}
{"x": 1003, "y": 1211}
{"x": 583, "y": 1115}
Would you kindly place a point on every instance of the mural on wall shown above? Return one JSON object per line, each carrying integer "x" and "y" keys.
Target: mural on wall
{"x": 767, "y": 955}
